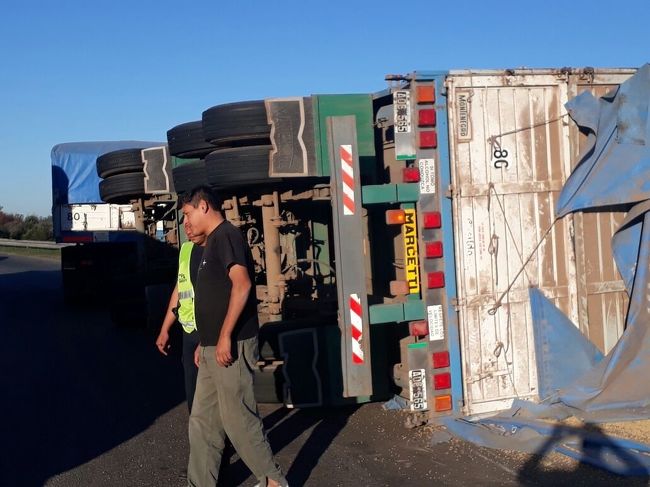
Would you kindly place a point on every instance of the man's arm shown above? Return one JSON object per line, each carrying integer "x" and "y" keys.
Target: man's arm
{"x": 170, "y": 318}
{"x": 241, "y": 287}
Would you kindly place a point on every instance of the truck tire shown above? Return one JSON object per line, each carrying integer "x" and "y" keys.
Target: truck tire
{"x": 239, "y": 166}
{"x": 236, "y": 124}
{"x": 187, "y": 140}
{"x": 189, "y": 176}
{"x": 121, "y": 188}
{"x": 119, "y": 162}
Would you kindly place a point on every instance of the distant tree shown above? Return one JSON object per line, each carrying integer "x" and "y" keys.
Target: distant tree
{"x": 32, "y": 227}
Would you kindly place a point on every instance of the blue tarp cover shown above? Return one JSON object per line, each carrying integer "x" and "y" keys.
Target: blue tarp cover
{"x": 614, "y": 168}
{"x": 74, "y": 170}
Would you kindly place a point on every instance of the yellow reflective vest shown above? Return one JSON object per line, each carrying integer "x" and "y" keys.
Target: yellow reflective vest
{"x": 185, "y": 289}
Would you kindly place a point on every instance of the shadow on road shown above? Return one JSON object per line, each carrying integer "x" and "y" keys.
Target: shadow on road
{"x": 72, "y": 385}
{"x": 595, "y": 447}
{"x": 283, "y": 427}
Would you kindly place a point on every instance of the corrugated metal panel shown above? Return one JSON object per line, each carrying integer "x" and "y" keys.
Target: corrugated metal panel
{"x": 601, "y": 293}
{"x": 508, "y": 167}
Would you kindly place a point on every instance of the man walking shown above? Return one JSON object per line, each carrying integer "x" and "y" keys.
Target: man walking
{"x": 181, "y": 307}
{"x": 226, "y": 314}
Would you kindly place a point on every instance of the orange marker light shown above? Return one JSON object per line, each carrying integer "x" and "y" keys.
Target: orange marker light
{"x": 395, "y": 217}
{"x": 426, "y": 94}
{"x": 442, "y": 403}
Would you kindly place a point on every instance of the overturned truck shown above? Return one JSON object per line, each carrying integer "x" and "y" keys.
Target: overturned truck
{"x": 396, "y": 234}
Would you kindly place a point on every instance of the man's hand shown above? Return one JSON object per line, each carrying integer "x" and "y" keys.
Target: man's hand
{"x": 223, "y": 351}
{"x": 197, "y": 356}
{"x": 162, "y": 342}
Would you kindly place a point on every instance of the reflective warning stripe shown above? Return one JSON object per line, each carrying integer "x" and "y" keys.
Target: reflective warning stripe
{"x": 356, "y": 319}
{"x": 347, "y": 179}
{"x": 185, "y": 294}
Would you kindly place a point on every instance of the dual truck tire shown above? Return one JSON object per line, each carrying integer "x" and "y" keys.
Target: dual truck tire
{"x": 231, "y": 140}
{"x": 238, "y": 137}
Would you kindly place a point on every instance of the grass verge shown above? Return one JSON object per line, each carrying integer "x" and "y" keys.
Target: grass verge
{"x": 52, "y": 254}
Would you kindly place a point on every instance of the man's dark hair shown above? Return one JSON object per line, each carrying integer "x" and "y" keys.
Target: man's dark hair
{"x": 205, "y": 193}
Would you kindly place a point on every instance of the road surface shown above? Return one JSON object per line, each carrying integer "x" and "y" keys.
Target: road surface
{"x": 85, "y": 403}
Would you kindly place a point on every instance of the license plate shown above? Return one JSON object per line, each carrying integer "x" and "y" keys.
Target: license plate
{"x": 418, "y": 389}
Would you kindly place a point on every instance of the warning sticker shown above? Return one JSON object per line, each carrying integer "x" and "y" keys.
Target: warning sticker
{"x": 427, "y": 176}
{"x": 436, "y": 325}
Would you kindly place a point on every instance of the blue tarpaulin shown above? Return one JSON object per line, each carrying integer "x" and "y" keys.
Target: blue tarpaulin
{"x": 74, "y": 170}
{"x": 574, "y": 378}
{"x": 614, "y": 168}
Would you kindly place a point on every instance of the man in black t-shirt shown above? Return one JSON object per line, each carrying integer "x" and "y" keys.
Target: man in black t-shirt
{"x": 226, "y": 318}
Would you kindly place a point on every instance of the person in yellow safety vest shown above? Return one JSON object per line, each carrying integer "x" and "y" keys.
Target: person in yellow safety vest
{"x": 181, "y": 308}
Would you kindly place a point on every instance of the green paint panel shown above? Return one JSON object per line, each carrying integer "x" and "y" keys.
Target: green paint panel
{"x": 414, "y": 310}
{"x": 408, "y": 192}
{"x": 379, "y": 193}
{"x": 386, "y": 313}
{"x": 418, "y": 345}
{"x": 179, "y": 161}
{"x": 337, "y": 105}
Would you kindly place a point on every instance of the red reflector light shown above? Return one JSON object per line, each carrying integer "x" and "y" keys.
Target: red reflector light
{"x": 434, "y": 250}
{"x": 427, "y": 117}
{"x": 426, "y": 94}
{"x": 428, "y": 139}
{"x": 442, "y": 403}
{"x": 411, "y": 175}
{"x": 431, "y": 219}
{"x": 435, "y": 280}
{"x": 395, "y": 217}
{"x": 440, "y": 360}
{"x": 418, "y": 328}
{"x": 77, "y": 238}
{"x": 442, "y": 381}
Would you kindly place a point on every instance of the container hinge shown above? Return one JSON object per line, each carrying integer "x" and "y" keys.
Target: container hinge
{"x": 456, "y": 303}
{"x": 450, "y": 192}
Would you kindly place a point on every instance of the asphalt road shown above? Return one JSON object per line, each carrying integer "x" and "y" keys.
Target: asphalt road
{"x": 85, "y": 403}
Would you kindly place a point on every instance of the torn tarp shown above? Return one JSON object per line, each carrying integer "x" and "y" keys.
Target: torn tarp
{"x": 563, "y": 353}
{"x": 618, "y": 386}
{"x": 614, "y": 168}
{"x": 589, "y": 445}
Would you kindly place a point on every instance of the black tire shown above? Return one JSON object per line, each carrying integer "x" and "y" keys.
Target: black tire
{"x": 119, "y": 162}
{"x": 235, "y": 124}
{"x": 122, "y": 187}
{"x": 187, "y": 140}
{"x": 239, "y": 166}
{"x": 189, "y": 175}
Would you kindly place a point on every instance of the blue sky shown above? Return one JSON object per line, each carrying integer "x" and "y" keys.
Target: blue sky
{"x": 73, "y": 70}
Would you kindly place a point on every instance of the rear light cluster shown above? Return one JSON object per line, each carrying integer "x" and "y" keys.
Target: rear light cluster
{"x": 441, "y": 377}
{"x": 441, "y": 381}
{"x": 431, "y": 222}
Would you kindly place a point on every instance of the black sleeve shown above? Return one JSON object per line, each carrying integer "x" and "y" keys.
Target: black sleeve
{"x": 233, "y": 249}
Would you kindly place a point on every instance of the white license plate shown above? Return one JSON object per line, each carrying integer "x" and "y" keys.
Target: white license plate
{"x": 418, "y": 389}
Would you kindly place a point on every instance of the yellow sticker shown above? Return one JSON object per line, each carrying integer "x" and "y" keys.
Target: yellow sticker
{"x": 411, "y": 261}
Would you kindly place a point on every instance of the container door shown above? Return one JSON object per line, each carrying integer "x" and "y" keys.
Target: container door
{"x": 512, "y": 146}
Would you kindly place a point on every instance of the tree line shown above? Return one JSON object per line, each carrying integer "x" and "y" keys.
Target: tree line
{"x": 30, "y": 227}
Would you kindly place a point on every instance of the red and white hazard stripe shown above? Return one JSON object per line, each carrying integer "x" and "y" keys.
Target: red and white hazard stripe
{"x": 356, "y": 319}
{"x": 347, "y": 178}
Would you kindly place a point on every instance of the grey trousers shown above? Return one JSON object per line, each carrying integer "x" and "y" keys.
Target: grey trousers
{"x": 224, "y": 404}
